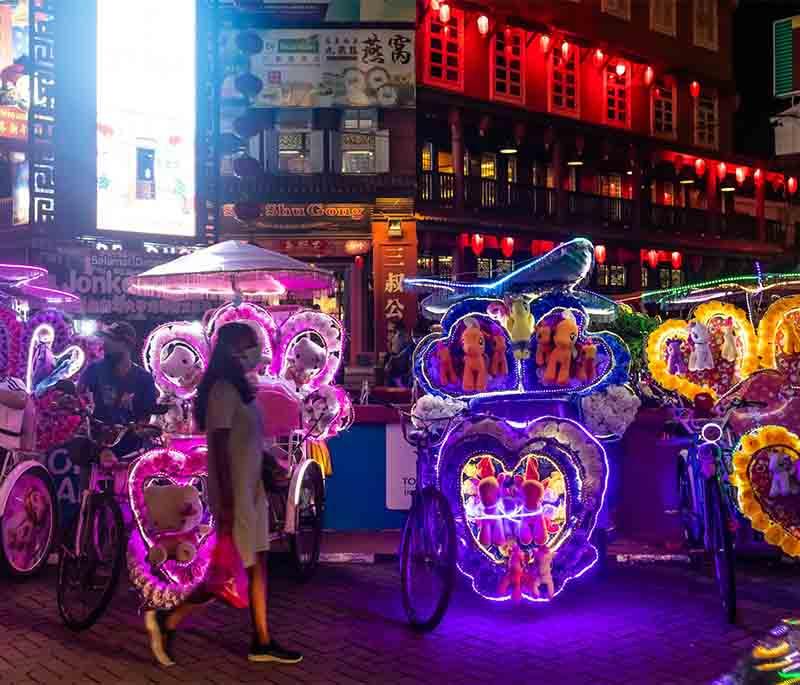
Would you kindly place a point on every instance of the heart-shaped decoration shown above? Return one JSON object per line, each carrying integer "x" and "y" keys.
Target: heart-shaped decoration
{"x": 711, "y": 353}
{"x": 766, "y": 466}
{"x": 310, "y": 350}
{"x": 526, "y": 497}
{"x": 177, "y": 355}
{"x": 779, "y": 338}
{"x": 255, "y": 316}
{"x": 165, "y": 582}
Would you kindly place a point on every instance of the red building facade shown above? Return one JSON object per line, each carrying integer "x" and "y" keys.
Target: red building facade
{"x": 610, "y": 119}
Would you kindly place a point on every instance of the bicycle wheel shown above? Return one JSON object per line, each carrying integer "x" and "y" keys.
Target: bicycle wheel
{"x": 87, "y": 581}
{"x": 428, "y": 560}
{"x": 305, "y": 542}
{"x": 691, "y": 523}
{"x": 28, "y": 525}
{"x": 719, "y": 538}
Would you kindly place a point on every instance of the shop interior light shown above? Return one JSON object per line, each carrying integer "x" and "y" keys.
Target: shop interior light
{"x": 686, "y": 181}
{"x": 728, "y": 188}
{"x": 289, "y": 152}
{"x": 508, "y": 150}
{"x": 575, "y": 162}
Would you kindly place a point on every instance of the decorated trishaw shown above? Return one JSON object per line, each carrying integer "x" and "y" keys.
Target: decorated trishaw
{"x": 38, "y": 348}
{"x": 164, "y": 488}
{"x": 741, "y": 383}
{"x": 507, "y": 456}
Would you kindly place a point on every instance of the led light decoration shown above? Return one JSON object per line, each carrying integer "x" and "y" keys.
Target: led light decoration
{"x": 722, "y": 170}
{"x": 324, "y": 331}
{"x": 257, "y": 317}
{"x": 668, "y": 352}
{"x": 565, "y": 48}
{"x": 598, "y": 57}
{"x": 620, "y": 69}
{"x": 758, "y": 460}
{"x": 700, "y": 167}
{"x": 649, "y": 76}
{"x": 777, "y": 334}
{"x": 483, "y": 24}
{"x": 176, "y": 354}
{"x": 740, "y": 175}
{"x": 694, "y": 89}
{"x": 544, "y": 43}
{"x": 444, "y": 13}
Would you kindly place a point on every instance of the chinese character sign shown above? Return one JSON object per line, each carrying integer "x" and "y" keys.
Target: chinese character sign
{"x": 335, "y": 68}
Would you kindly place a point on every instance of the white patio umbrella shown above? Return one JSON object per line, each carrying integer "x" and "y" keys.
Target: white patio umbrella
{"x": 229, "y": 270}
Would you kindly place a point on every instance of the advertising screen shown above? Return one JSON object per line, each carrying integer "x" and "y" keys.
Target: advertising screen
{"x": 146, "y": 93}
{"x": 14, "y": 74}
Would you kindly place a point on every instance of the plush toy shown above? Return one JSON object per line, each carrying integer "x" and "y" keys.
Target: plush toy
{"x": 181, "y": 364}
{"x": 499, "y": 363}
{"x": 781, "y": 469}
{"x": 729, "y": 345}
{"x": 520, "y": 327}
{"x": 307, "y": 360}
{"x": 675, "y": 361}
{"x": 516, "y": 578}
{"x": 490, "y": 529}
{"x": 510, "y": 495}
{"x": 559, "y": 364}
{"x": 541, "y": 572}
{"x": 701, "y": 358}
{"x": 587, "y": 368}
{"x": 447, "y": 372}
{"x": 174, "y": 513}
{"x": 533, "y": 527}
{"x": 544, "y": 343}
{"x": 476, "y": 373}
{"x": 320, "y": 409}
{"x": 790, "y": 342}
{"x": 499, "y": 312}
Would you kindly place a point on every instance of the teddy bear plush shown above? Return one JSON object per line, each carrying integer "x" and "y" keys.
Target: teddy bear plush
{"x": 447, "y": 372}
{"x": 533, "y": 527}
{"x": 781, "y": 469}
{"x": 541, "y": 573}
{"x": 520, "y": 327}
{"x": 307, "y": 359}
{"x": 559, "y": 365}
{"x": 544, "y": 343}
{"x": 181, "y": 364}
{"x": 490, "y": 529}
{"x": 174, "y": 516}
{"x": 476, "y": 372}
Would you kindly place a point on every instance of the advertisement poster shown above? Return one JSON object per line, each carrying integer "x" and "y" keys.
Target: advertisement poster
{"x": 101, "y": 277}
{"x": 146, "y": 101}
{"x": 401, "y": 468}
{"x": 333, "y": 68}
{"x": 334, "y": 10}
{"x": 20, "y": 189}
{"x": 15, "y": 84}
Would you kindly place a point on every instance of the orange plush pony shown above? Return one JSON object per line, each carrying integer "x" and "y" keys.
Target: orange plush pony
{"x": 544, "y": 343}
{"x": 516, "y": 578}
{"x": 534, "y": 526}
{"x": 499, "y": 364}
{"x": 447, "y": 372}
{"x": 559, "y": 365}
{"x": 476, "y": 373}
{"x": 587, "y": 368}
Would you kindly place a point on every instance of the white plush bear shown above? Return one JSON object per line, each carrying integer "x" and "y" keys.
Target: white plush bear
{"x": 306, "y": 360}
{"x": 320, "y": 409}
{"x": 701, "y": 358}
{"x": 174, "y": 515}
{"x": 180, "y": 363}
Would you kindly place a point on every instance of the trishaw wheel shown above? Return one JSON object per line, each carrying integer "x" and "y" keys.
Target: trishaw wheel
{"x": 87, "y": 581}
{"x": 721, "y": 543}
{"x": 692, "y": 533}
{"x": 28, "y": 525}
{"x": 309, "y": 511}
{"x": 428, "y": 560}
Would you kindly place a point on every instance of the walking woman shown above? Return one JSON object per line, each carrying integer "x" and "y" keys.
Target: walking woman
{"x": 226, "y": 410}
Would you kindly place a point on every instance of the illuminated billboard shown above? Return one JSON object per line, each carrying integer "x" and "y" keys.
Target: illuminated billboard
{"x": 146, "y": 95}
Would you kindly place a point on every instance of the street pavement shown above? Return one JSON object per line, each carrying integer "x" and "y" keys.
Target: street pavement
{"x": 636, "y": 624}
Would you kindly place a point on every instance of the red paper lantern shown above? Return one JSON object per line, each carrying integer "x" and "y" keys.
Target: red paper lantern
{"x": 435, "y": 5}
{"x": 791, "y": 185}
{"x": 477, "y": 243}
{"x": 600, "y": 254}
{"x": 722, "y": 170}
{"x": 483, "y": 24}
{"x": 740, "y": 175}
{"x": 758, "y": 177}
{"x": 359, "y": 262}
{"x": 540, "y": 247}
{"x": 444, "y": 13}
{"x": 649, "y": 75}
{"x": 507, "y": 247}
{"x": 700, "y": 167}
{"x": 544, "y": 43}
{"x": 694, "y": 89}
{"x": 598, "y": 57}
{"x": 676, "y": 258}
{"x": 652, "y": 258}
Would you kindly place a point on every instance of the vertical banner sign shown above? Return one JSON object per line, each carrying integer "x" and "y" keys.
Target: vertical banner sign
{"x": 786, "y": 57}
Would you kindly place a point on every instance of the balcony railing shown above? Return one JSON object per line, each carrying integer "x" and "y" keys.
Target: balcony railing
{"x": 279, "y": 186}
{"x": 598, "y": 209}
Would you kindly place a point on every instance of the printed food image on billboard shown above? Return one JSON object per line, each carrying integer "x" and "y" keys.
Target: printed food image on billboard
{"x": 146, "y": 94}
{"x": 323, "y": 68}
{"x": 15, "y": 85}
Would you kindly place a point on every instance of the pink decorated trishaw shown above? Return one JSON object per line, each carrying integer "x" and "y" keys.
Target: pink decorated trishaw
{"x": 164, "y": 487}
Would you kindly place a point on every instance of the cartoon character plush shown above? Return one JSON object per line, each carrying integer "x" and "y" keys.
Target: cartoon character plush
{"x": 447, "y": 372}
{"x": 700, "y": 358}
{"x": 675, "y": 361}
{"x": 490, "y": 529}
{"x": 587, "y": 368}
{"x": 516, "y": 578}
{"x": 476, "y": 373}
{"x": 541, "y": 573}
{"x": 729, "y": 345}
{"x": 181, "y": 364}
{"x": 559, "y": 364}
{"x": 533, "y": 527}
{"x": 306, "y": 361}
{"x": 320, "y": 409}
{"x": 781, "y": 469}
{"x": 520, "y": 327}
{"x": 499, "y": 363}
{"x": 790, "y": 341}
{"x": 544, "y": 343}
{"x": 175, "y": 513}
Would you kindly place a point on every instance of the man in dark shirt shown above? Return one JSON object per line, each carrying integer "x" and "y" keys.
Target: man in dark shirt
{"x": 121, "y": 391}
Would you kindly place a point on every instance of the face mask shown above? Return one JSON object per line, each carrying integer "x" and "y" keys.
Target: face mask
{"x": 250, "y": 358}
